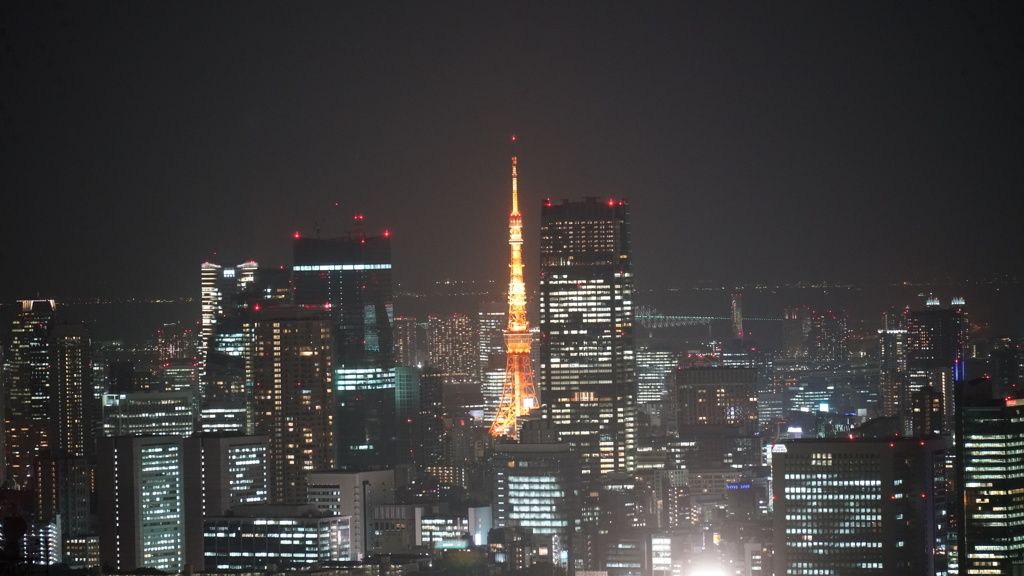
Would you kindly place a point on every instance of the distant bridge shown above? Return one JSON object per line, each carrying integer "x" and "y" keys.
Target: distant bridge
{"x": 649, "y": 317}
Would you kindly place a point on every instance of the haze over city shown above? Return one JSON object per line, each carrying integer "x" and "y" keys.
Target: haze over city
{"x": 755, "y": 142}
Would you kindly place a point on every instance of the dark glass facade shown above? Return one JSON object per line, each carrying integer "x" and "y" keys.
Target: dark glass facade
{"x": 350, "y": 278}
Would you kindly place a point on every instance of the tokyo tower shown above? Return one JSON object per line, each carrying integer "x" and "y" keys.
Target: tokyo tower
{"x": 518, "y": 396}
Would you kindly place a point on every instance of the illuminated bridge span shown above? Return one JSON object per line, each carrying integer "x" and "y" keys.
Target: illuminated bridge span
{"x": 649, "y": 317}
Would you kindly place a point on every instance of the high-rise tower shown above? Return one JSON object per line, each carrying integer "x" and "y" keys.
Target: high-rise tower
{"x": 351, "y": 278}
{"x": 519, "y": 395}
{"x": 28, "y": 388}
{"x": 936, "y": 349}
{"x": 587, "y": 354}
{"x": 988, "y": 511}
{"x": 290, "y": 368}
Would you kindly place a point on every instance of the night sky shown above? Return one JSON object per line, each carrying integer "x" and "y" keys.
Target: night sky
{"x": 762, "y": 140}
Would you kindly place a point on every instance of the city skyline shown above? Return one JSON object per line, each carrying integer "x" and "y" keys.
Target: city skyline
{"x": 781, "y": 142}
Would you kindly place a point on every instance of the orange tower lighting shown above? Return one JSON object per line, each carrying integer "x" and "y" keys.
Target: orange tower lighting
{"x": 518, "y": 396}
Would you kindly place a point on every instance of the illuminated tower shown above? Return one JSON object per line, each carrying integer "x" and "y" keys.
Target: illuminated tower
{"x": 519, "y": 395}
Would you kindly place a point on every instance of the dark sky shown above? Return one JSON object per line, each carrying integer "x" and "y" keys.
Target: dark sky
{"x": 755, "y": 140}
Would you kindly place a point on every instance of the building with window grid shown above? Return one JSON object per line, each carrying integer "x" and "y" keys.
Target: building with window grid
{"x": 858, "y": 507}
{"x": 990, "y": 478}
{"x": 587, "y": 354}
{"x": 290, "y": 368}
{"x": 141, "y": 495}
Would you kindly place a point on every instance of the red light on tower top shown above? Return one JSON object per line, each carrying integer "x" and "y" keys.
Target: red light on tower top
{"x": 611, "y": 202}
{"x": 296, "y": 234}
{"x": 387, "y": 233}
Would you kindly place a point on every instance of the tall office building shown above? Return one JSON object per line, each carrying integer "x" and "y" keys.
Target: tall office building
{"x": 229, "y": 295}
{"x": 221, "y": 289}
{"x": 859, "y": 507}
{"x": 64, "y": 478}
{"x": 27, "y": 372}
{"x": 989, "y": 512}
{"x": 587, "y": 363}
{"x": 892, "y": 364}
{"x": 936, "y": 350}
{"x": 290, "y": 369}
{"x": 141, "y": 495}
{"x": 73, "y": 400}
{"x": 28, "y": 387}
{"x": 350, "y": 277}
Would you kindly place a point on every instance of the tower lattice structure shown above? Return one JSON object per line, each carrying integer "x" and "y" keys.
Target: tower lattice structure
{"x": 519, "y": 395}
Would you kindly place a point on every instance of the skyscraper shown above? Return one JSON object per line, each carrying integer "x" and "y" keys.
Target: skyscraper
{"x": 229, "y": 294}
{"x": 28, "y": 387}
{"x": 74, "y": 404}
{"x": 892, "y": 360}
{"x": 350, "y": 277}
{"x": 221, "y": 291}
{"x": 291, "y": 374}
{"x": 989, "y": 512}
{"x": 64, "y": 475}
{"x": 587, "y": 362}
{"x": 936, "y": 349}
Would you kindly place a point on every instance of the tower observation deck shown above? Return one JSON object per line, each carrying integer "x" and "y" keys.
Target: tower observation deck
{"x": 519, "y": 395}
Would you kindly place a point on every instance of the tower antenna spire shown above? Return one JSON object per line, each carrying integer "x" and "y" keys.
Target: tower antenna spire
{"x": 519, "y": 395}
